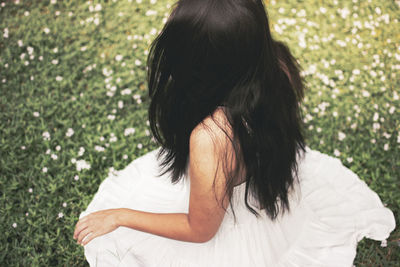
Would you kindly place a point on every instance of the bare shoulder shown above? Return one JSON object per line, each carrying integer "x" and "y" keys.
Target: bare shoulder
{"x": 212, "y": 131}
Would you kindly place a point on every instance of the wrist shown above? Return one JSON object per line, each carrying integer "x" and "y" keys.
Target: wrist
{"x": 118, "y": 217}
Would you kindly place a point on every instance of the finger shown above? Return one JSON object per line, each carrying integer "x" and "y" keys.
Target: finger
{"x": 88, "y": 238}
{"x": 82, "y": 235}
{"x": 79, "y": 228}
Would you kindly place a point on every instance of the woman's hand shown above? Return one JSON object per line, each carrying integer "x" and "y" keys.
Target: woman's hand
{"x": 94, "y": 225}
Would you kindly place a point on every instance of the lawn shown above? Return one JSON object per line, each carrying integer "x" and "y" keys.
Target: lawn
{"x": 73, "y": 107}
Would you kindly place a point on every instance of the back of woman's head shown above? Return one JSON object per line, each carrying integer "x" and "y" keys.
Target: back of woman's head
{"x": 214, "y": 53}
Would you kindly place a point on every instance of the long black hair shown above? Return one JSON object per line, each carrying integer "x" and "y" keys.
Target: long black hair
{"x": 214, "y": 53}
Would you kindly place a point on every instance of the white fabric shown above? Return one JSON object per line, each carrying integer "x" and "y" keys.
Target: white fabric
{"x": 331, "y": 211}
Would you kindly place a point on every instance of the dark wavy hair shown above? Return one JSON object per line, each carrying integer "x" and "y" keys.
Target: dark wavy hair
{"x": 213, "y": 53}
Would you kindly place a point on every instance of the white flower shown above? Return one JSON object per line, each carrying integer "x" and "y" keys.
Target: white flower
{"x": 70, "y": 132}
{"x": 53, "y": 1}
{"x": 82, "y": 165}
{"x": 118, "y": 57}
{"x": 20, "y": 43}
{"x": 64, "y": 204}
{"x": 60, "y": 215}
{"x": 48, "y": 151}
{"x": 54, "y": 61}
{"x": 5, "y": 33}
{"x": 54, "y": 156}
{"x": 44, "y": 169}
{"x": 151, "y": 12}
{"x": 138, "y": 62}
{"x": 46, "y": 30}
{"x": 120, "y": 104}
{"x": 14, "y": 225}
{"x": 36, "y": 114}
{"x": 140, "y": 146}
{"x": 58, "y": 148}
{"x": 365, "y": 93}
{"x": 126, "y": 92}
{"x": 376, "y": 116}
{"x": 81, "y": 151}
{"x": 376, "y": 126}
{"x": 30, "y": 190}
{"x": 99, "y": 148}
{"x": 386, "y": 147}
{"x": 341, "y": 136}
{"x": 350, "y": 159}
{"x": 129, "y": 131}
{"x": 30, "y": 50}
{"x": 57, "y": 13}
{"x": 83, "y": 48}
{"x": 97, "y": 7}
{"x": 384, "y": 243}
{"x": 336, "y": 153}
{"x": 23, "y": 147}
{"x": 26, "y": 13}
{"x": 111, "y": 117}
{"x": 125, "y": 156}
{"x": 76, "y": 177}
{"x": 46, "y": 136}
{"x": 113, "y": 139}
{"x": 356, "y": 72}
{"x": 59, "y": 78}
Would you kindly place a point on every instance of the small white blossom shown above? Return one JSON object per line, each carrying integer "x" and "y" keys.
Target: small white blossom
{"x": 58, "y": 148}
{"x": 350, "y": 159}
{"x": 59, "y": 78}
{"x": 336, "y": 152}
{"x": 129, "y": 131}
{"x": 99, "y": 148}
{"x": 54, "y": 156}
{"x": 44, "y": 169}
{"x": 46, "y": 136}
{"x": 81, "y": 151}
{"x": 384, "y": 243}
{"x": 126, "y": 92}
{"x": 14, "y": 225}
{"x": 341, "y": 136}
{"x": 60, "y": 215}
{"x": 140, "y": 146}
{"x": 76, "y": 177}
{"x": 36, "y": 114}
{"x": 64, "y": 204}
{"x": 82, "y": 165}
{"x": 30, "y": 190}
{"x": 118, "y": 57}
{"x": 70, "y": 132}
{"x": 54, "y": 61}
{"x": 386, "y": 147}
{"x": 46, "y": 30}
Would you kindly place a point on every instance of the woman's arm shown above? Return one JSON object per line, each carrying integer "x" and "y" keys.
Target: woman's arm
{"x": 207, "y": 142}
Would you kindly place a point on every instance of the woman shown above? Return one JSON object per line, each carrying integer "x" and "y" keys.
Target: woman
{"x": 237, "y": 184}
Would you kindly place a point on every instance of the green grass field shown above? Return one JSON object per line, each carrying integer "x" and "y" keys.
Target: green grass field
{"x": 74, "y": 98}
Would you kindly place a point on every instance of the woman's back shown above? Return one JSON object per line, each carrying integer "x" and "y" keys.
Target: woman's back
{"x": 233, "y": 174}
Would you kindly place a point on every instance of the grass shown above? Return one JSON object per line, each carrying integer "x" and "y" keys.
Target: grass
{"x": 73, "y": 107}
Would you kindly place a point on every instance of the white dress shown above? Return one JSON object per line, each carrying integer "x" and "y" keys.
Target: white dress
{"x": 331, "y": 211}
